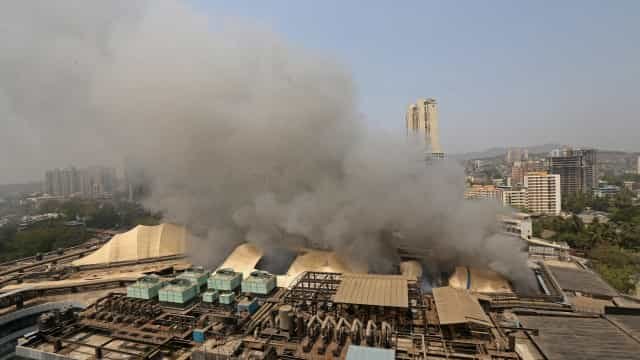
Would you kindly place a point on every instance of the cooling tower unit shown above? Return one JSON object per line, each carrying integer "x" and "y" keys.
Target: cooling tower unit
{"x": 210, "y": 296}
{"x": 147, "y": 287}
{"x": 178, "y": 291}
{"x": 227, "y": 298}
{"x": 259, "y": 282}
{"x": 197, "y": 275}
{"x": 225, "y": 280}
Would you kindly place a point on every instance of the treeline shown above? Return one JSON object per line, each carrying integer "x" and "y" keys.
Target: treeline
{"x": 42, "y": 238}
{"x": 103, "y": 215}
{"x": 53, "y": 234}
{"x": 579, "y": 202}
{"x": 613, "y": 246}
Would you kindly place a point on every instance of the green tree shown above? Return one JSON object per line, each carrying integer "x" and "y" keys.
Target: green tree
{"x": 576, "y": 203}
{"x": 105, "y": 217}
{"x": 619, "y": 267}
{"x": 41, "y": 239}
{"x": 600, "y": 204}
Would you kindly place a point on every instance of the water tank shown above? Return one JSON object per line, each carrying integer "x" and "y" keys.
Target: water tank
{"x": 198, "y": 335}
{"x": 226, "y": 298}
{"x": 210, "y": 296}
{"x": 285, "y": 316}
{"x": 247, "y": 305}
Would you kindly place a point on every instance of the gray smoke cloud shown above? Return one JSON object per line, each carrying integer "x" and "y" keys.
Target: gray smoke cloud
{"x": 244, "y": 137}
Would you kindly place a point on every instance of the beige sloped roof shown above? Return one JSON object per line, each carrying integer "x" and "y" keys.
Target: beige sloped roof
{"x": 319, "y": 261}
{"x": 479, "y": 280}
{"x": 411, "y": 268}
{"x": 457, "y": 306}
{"x": 141, "y": 242}
{"x": 243, "y": 259}
{"x": 377, "y": 290}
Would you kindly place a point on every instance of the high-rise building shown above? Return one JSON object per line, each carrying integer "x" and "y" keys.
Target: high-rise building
{"x": 88, "y": 182}
{"x": 521, "y": 168}
{"x": 543, "y": 193}
{"x": 422, "y": 120}
{"x": 577, "y": 170}
{"x": 517, "y": 154}
{"x": 61, "y": 182}
{"x": 638, "y": 165}
{"x": 97, "y": 180}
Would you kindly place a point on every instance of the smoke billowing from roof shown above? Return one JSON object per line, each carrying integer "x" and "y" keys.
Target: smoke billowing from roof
{"x": 245, "y": 137}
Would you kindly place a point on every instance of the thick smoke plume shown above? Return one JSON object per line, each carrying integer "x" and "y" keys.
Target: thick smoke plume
{"x": 244, "y": 137}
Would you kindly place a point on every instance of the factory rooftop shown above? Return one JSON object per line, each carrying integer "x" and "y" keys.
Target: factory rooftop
{"x": 378, "y": 290}
{"x": 457, "y": 306}
{"x": 320, "y": 308}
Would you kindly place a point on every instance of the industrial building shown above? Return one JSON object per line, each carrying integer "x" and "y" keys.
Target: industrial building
{"x": 177, "y": 311}
{"x": 352, "y": 316}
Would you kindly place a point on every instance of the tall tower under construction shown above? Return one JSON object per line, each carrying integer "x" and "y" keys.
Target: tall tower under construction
{"x": 422, "y": 120}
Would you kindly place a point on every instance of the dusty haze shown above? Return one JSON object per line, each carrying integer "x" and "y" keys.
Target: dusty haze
{"x": 244, "y": 137}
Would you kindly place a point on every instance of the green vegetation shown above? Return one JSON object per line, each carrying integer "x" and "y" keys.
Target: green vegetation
{"x": 104, "y": 215}
{"x": 53, "y": 234}
{"x": 16, "y": 244}
{"x": 577, "y": 203}
{"x": 619, "y": 267}
{"x": 613, "y": 246}
{"x": 620, "y": 179}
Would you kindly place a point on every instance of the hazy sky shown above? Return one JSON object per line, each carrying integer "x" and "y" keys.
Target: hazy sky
{"x": 504, "y": 72}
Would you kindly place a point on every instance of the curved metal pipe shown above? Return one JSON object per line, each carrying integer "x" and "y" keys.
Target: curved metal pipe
{"x": 313, "y": 319}
{"x": 370, "y": 327}
{"x": 355, "y": 325}
{"x": 327, "y": 320}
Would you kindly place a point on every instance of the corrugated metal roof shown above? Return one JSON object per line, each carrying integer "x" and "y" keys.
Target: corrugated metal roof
{"x": 369, "y": 353}
{"x": 457, "y": 306}
{"x": 584, "y": 281}
{"x": 575, "y": 337}
{"x": 377, "y": 290}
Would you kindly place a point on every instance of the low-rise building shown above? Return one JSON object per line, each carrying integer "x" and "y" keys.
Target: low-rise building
{"x": 518, "y": 224}
{"x": 606, "y": 191}
{"x": 29, "y": 220}
{"x": 546, "y": 249}
{"x": 481, "y": 192}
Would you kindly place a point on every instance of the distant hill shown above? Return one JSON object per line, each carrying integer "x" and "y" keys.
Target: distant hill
{"x": 17, "y": 189}
{"x": 499, "y": 151}
{"x": 603, "y": 155}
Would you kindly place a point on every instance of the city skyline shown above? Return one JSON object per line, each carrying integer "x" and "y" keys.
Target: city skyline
{"x": 497, "y": 84}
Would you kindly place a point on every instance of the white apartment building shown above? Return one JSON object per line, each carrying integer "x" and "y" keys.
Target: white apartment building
{"x": 514, "y": 198}
{"x": 543, "y": 193}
